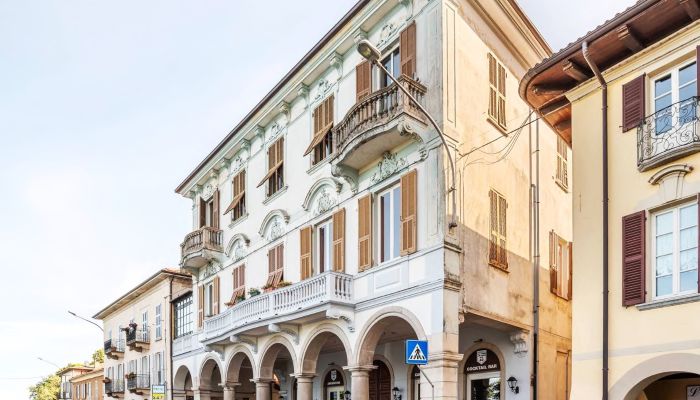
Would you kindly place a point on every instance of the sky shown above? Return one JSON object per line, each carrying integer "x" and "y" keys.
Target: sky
{"x": 105, "y": 106}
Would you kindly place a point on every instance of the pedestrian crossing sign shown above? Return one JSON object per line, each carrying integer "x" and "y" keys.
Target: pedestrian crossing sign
{"x": 416, "y": 352}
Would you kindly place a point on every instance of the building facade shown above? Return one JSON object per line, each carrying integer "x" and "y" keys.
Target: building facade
{"x": 325, "y": 230}
{"x": 626, "y": 94}
{"x": 88, "y": 386}
{"x": 137, "y": 330}
{"x": 66, "y": 374}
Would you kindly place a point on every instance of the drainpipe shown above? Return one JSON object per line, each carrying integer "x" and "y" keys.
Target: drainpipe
{"x": 170, "y": 338}
{"x": 604, "y": 115}
{"x": 536, "y": 262}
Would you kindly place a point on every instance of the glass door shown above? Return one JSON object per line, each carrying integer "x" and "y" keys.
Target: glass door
{"x": 486, "y": 386}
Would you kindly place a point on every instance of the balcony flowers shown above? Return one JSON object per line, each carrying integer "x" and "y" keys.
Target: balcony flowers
{"x": 252, "y": 292}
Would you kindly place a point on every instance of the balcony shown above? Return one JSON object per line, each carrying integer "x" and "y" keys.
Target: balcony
{"x": 137, "y": 383}
{"x": 114, "y": 387}
{"x": 377, "y": 124}
{"x": 185, "y": 344}
{"x": 137, "y": 339}
{"x": 200, "y": 247}
{"x": 668, "y": 135}
{"x": 316, "y": 298}
{"x": 114, "y": 348}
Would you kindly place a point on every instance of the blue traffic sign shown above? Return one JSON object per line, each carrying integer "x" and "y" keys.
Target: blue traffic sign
{"x": 416, "y": 352}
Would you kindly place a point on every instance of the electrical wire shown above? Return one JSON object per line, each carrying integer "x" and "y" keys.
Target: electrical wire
{"x": 507, "y": 148}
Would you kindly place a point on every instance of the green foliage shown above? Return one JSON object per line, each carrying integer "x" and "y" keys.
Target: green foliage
{"x": 47, "y": 389}
{"x": 98, "y": 357}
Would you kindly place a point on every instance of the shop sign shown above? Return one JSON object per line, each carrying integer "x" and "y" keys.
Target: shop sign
{"x": 334, "y": 378}
{"x": 482, "y": 360}
{"x": 157, "y": 392}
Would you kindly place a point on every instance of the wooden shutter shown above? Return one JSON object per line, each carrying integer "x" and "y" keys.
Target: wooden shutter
{"x": 215, "y": 295}
{"x": 633, "y": 258}
{"x": 238, "y": 191}
{"x": 339, "y": 240}
{"x": 493, "y": 96}
{"x": 215, "y": 212}
{"x": 305, "y": 246}
{"x": 498, "y": 255}
{"x": 408, "y": 212}
{"x": 502, "y": 97}
{"x": 493, "y": 217}
{"x": 633, "y": 103}
{"x": 408, "y": 50}
{"x": 323, "y": 122}
{"x": 363, "y": 80}
{"x": 238, "y": 284}
{"x": 275, "y": 158}
{"x": 571, "y": 270}
{"x": 364, "y": 232}
{"x": 553, "y": 267}
{"x": 200, "y": 306}
{"x": 202, "y": 213}
{"x": 275, "y": 262}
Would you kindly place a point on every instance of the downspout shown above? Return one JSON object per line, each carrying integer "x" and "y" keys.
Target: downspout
{"x": 606, "y": 289}
{"x": 536, "y": 263}
{"x": 170, "y": 338}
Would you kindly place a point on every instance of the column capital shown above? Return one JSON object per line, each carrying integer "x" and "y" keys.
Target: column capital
{"x": 303, "y": 376}
{"x": 360, "y": 369}
{"x": 261, "y": 381}
{"x": 444, "y": 359}
{"x": 231, "y": 385}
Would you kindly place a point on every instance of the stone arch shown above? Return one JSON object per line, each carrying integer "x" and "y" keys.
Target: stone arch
{"x": 182, "y": 382}
{"x": 634, "y": 381}
{"x": 239, "y": 237}
{"x": 311, "y": 349}
{"x": 372, "y": 331}
{"x": 239, "y": 354}
{"x": 325, "y": 182}
{"x": 269, "y": 354}
{"x": 277, "y": 216}
{"x": 210, "y": 365}
{"x": 462, "y": 377}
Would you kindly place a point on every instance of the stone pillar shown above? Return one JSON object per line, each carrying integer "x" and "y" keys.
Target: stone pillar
{"x": 305, "y": 386}
{"x": 201, "y": 395}
{"x": 359, "y": 381}
{"x": 230, "y": 391}
{"x": 443, "y": 371}
{"x": 262, "y": 389}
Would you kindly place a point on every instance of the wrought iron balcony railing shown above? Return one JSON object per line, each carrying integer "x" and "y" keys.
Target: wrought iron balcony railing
{"x": 114, "y": 346}
{"x": 134, "y": 336}
{"x": 138, "y": 382}
{"x": 668, "y": 134}
{"x": 114, "y": 386}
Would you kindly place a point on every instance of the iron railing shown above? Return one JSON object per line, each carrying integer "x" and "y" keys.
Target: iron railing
{"x": 114, "y": 386}
{"x": 668, "y": 134}
{"x": 114, "y": 346}
{"x": 137, "y": 336}
{"x": 138, "y": 381}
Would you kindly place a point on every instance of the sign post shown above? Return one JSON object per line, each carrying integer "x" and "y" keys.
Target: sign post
{"x": 158, "y": 392}
{"x": 417, "y": 354}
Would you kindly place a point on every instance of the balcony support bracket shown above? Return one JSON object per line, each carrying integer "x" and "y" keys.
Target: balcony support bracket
{"x": 290, "y": 330}
{"x": 218, "y": 350}
{"x": 250, "y": 341}
{"x": 334, "y": 313}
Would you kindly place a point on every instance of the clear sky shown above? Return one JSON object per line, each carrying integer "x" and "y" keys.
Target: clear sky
{"x": 104, "y": 107}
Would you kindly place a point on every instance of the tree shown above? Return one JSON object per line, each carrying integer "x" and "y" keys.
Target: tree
{"x": 98, "y": 356}
{"x": 47, "y": 389}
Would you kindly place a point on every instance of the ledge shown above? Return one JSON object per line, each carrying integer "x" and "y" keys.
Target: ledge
{"x": 277, "y": 194}
{"x": 673, "y": 301}
{"x": 238, "y": 221}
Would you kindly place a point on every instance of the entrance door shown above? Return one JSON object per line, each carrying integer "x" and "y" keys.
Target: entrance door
{"x": 380, "y": 382}
{"x": 485, "y": 386}
{"x": 335, "y": 393}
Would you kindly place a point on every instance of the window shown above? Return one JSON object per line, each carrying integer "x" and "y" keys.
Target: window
{"x": 159, "y": 377}
{"x": 275, "y": 168}
{"x": 389, "y": 223}
{"x": 322, "y": 142}
{"x": 131, "y": 367}
{"x": 392, "y": 63}
{"x": 144, "y": 321}
{"x": 497, "y": 243}
{"x": 183, "y": 316}
{"x": 559, "y": 266}
{"x": 159, "y": 322}
{"x": 237, "y": 206}
{"x": 324, "y": 246}
{"x": 562, "y": 177}
{"x": 209, "y": 299}
{"x": 275, "y": 261}
{"x": 238, "y": 285}
{"x": 497, "y": 92}
{"x": 675, "y": 90}
{"x": 675, "y": 251}
{"x": 145, "y": 367}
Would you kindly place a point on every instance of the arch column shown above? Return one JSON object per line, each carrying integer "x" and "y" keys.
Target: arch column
{"x": 199, "y": 395}
{"x": 443, "y": 371}
{"x": 262, "y": 388}
{"x": 359, "y": 381}
{"x": 230, "y": 391}
{"x": 305, "y": 386}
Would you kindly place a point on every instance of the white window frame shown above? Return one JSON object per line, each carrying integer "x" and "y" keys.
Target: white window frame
{"x": 208, "y": 297}
{"x": 144, "y": 321}
{"x": 159, "y": 321}
{"x": 327, "y": 225}
{"x": 394, "y": 237}
{"x": 675, "y": 86}
{"x": 676, "y": 272}
{"x": 379, "y": 74}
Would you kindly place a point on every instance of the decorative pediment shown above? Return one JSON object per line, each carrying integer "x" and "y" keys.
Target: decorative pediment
{"x": 208, "y": 191}
{"x": 274, "y": 225}
{"x": 324, "y": 87}
{"x": 237, "y": 247}
{"x": 388, "y": 166}
{"x": 323, "y": 195}
{"x": 210, "y": 270}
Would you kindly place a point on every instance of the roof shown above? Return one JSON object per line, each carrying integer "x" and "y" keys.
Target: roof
{"x": 69, "y": 368}
{"x": 627, "y": 33}
{"x": 94, "y": 373}
{"x": 141, "y": 288}
{"x": 285, "y": 79}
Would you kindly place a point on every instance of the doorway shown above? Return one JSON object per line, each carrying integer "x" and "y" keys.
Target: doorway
{"x": 484, "y": 386}
{"x": 334, "y": 385}
{"x": 380, "y": 382}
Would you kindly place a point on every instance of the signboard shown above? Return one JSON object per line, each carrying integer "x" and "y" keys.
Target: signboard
{"x": 693, "y": 392}
{"x": 334, "y": 378}
{"x": 416, "y": 352}
{"x": 482, "y": 360}
{"x": 158, "y": 392}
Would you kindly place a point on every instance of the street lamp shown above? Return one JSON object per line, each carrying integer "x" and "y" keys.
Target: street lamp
{"x": 373, "y": 55}
{"x": 48, "y": 362}
{"x": 85, "y": 319}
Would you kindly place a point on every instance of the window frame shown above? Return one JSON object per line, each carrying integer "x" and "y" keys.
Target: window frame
{"x": 183, "y": 316}
{"x": 272, "y": 278}
{"x": 500, "y": 232}
{"x": 159, "y": 322}
{"x": 497, "y": 115}
{"x": 276, "y": 179}
{"x": 674, "y": 74}
{"x": 327, "y": 258}
{"x": 209, "y": 299}
{"x": 675, "y": 272}
{"x": 382, "y": 80}
{"x": 561, "y": 176}
{"x": 393, "y": 190}
{"x": 239, "y": 211}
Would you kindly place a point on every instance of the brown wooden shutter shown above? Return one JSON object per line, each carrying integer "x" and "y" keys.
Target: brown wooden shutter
{"x": 408, "y": 50}
{"x": 215, "y": 212}
{"x": 408, "y": 212}
{"x": 339, "y": 240}
{"x": 275, "y": 158}
{"x": 364, "y": 232}
{"x": 305, "y": 252}
{"x": 363, "y": 80}
{"x": 633, "y": 258}
{"x": 553, "y": 279}
{"x": 323, "y": 122}
{"x": 633, "y": 103}
{"x": 200, "y": 306}
{"x": 502, "y": 222}
{"x": 493, "y": 228}
{"x": 215, "y": 295}
{"x": 571, "y": 270}
{"x": 202, "y": 213}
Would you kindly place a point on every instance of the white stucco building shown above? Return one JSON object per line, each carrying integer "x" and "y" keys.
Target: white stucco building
{"x": 331, "y": 200}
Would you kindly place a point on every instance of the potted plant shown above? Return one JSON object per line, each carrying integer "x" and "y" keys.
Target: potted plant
{"x": 284, "y": 284}
{"x": 268, "y": 287}
{"x": 252, "y": 292}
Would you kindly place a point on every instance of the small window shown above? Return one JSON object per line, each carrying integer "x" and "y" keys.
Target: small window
{"x": 675, "y": 251}
{"x": 144, "y": 321}
{"x": 238, "y": 286}
{"x": 562, "y": 176}
{"x": 274, "y": 179}
{"x": 183, "y": 316}
{"x": 275, "y": 260}
{"x": 159, "y": 323}
{"x": 322, "y": 142}
{"x": 392, "y": 63}
{"x": 674, "y": 98}
{"x": 209, "y": 299}
{"x": 390, "y": 223}
{"x": 560, "y": 266}
{"x": 324, "y": 246}
{"x": 498, "y": 254}
{"x": 237, "y": 208}
{"x": 497, "y": 92}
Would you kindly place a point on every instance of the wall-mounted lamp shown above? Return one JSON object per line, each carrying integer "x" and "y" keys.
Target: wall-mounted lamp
{"x": 347, "y": 395}
{"x": 513, "y": 385}
{"x": 396, "y": 392}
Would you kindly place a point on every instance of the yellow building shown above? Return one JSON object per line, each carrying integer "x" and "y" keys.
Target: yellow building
{"x": 626, "y": 96}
